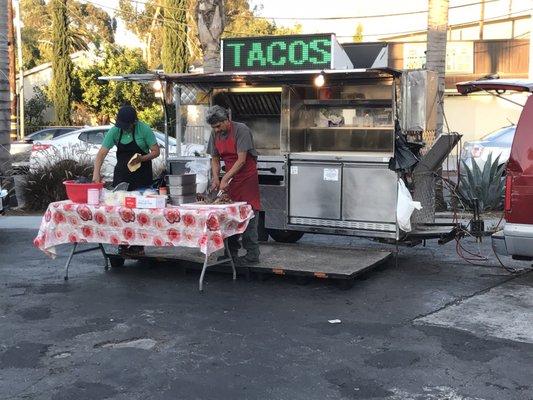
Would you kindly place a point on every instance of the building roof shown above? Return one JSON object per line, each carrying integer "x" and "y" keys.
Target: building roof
{"x": 488, "y": 21}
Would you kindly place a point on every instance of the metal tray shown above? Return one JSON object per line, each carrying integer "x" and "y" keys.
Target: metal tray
{"x": 179, "y": 200}
{"x": 181, "y": 180}
{"x": 182, "y": 190}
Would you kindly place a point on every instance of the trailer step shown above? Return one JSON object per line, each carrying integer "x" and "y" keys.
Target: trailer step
{"x": 318, "y": 262}
{"x": 299, "y": 260}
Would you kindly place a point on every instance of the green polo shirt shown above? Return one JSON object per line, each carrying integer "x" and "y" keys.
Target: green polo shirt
{"x": 144, "y": 137}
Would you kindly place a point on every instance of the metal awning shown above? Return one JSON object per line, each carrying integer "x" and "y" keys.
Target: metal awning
{"x": 241, "y": 79}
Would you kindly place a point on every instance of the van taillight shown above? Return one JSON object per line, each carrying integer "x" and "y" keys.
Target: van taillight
{"x": 40, "y": 147}
{"x": 508, "y": 190}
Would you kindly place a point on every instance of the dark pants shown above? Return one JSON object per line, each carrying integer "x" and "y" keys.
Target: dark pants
{"x": 249, "y": 240}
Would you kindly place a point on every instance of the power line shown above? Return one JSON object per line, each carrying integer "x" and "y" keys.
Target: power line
{"x": 375, "y": 15}
{"x": 421, "y": 31}
{"x": 332, "y": 18}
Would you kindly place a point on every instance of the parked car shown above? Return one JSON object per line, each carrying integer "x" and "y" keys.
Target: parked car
{"x": 3, "y": 199}
{"x": 20, "y": 150}
{"x": 83, "y": 144}
{"x": 497, "y": 143}
{"x": 516, "y": 239}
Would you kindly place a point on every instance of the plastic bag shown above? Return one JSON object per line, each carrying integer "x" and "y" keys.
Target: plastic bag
{"x": 201, "y": 168}
{"x": 405, "y": 207}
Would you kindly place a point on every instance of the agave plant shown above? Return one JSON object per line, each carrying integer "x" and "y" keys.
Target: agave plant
{"x": 487, "y": 185}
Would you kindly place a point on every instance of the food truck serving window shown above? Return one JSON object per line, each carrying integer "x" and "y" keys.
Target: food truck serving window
{"x": 277, "y": 53}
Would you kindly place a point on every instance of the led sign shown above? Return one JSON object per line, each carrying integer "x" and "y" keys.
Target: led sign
{"x": 277, "y": 53}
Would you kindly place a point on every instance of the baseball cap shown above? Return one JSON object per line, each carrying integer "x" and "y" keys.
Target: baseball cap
{"x": 126, "y": 116}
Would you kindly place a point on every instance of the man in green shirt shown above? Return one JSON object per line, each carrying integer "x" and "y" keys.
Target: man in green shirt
{"x": 136, "y": 148}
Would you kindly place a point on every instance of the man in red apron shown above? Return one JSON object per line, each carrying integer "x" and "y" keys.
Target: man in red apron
{"x": 232, "y": 142}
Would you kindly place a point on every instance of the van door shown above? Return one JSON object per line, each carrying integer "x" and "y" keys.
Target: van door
{"x": 519, "y": 191}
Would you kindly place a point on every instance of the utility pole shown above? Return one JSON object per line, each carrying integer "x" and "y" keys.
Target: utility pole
{"x": 12, "y": 69}
{"x": 20, "y": 88}
{"x": 481, "y": 19}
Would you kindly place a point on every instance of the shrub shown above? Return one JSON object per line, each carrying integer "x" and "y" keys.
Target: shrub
{"x": 44, "y": 182}
{"x": 487, "y": 185}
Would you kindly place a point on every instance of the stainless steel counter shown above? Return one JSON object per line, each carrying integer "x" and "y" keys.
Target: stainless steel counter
{"x": 350, "y": 156}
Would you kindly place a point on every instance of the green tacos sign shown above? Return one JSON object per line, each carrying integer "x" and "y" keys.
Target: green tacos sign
{"x": 278, "y": 53}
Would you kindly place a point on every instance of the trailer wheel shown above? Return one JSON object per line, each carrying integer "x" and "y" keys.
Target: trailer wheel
{"x": 282, "y": 236}
{"x": 116, "y": 262}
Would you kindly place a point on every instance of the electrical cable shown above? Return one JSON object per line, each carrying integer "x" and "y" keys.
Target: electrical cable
{"x": 398, "y": 14}
{"x": 339, "y": 36}
{"x": 471, "y": 258}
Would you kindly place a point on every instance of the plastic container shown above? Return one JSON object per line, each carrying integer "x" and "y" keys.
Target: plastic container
{"x": 93, "y": 197}
{"x": 77, "y": 192}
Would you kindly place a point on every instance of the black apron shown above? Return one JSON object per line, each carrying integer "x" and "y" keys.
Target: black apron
{"x": 142, "y": 178}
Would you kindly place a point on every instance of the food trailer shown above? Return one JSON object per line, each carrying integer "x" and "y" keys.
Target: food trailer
{"x": 344, "y": 142}
{"x": 333, "y": 140}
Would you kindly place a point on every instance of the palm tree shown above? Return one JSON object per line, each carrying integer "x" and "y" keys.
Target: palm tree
{"x": 5, "y": 104}
{"x": 436, "y": 49}
{"x": 436, "y": 61}
{"x": 210, "y": 17}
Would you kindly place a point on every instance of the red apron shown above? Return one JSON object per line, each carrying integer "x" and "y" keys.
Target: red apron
{"x": 245, "y": 183}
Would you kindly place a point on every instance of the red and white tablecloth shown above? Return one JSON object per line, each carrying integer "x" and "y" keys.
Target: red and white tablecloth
{"x": 202, "y": 227}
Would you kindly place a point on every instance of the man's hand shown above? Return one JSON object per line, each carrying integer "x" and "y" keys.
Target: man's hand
{"x": 137, "y": 160}
{"x": 97, "y": 177}
{"x": 224, "y": 183}
{"x": 215, "y": 183}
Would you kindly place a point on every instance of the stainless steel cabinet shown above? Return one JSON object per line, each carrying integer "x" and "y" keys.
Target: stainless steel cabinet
{"x": 315, "y": 190}
{"x": 369, "y": 193}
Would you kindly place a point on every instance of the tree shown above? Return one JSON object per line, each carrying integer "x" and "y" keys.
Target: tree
{"x": 89, "y": 25}
{"x": 436, "y": 61}
{"x": 61, "y": 63}
{"x": 242, "y": 20}
{"x": 436, "y": 49}
{"x": 358, "y": 36}
{"x": 147, "y": 24}
{"x": 103, "y": 99}
{"x": 5, "y": 106}
{"x": 210, "y": 20}
{"x": 174, "y": 53}
{"x": 34, "y": 107}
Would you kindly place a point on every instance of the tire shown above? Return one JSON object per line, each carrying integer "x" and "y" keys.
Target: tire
{"x": 282, "y": 236}
{"x": 116, "y": 262}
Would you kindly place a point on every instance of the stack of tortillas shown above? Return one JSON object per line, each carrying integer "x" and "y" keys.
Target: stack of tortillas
{"x": 133, "y": 167}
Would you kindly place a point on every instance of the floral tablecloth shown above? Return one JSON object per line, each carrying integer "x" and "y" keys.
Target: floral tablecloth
{"x": 201, "y": 227}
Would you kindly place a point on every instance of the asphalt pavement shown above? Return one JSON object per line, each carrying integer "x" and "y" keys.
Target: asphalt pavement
{"x": 426, "y": 326}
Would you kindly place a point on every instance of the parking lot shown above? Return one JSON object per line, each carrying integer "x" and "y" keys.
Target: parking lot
{"x": 431, "y": 326}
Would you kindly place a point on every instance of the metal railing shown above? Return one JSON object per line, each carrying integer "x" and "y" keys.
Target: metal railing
{"x": 194, "y": 134}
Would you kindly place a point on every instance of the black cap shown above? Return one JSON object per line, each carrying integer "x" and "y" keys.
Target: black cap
{"x": 126, "y": 117}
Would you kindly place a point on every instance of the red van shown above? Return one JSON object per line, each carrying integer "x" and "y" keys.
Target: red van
{"x": 516, "y": 239}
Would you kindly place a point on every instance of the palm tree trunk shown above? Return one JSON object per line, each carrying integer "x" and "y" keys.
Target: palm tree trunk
{"x": 436, "y": 61}
{"x": 5, "y": 104}
{"x": 210, "y": 18}
{"x": 436, "y": 49}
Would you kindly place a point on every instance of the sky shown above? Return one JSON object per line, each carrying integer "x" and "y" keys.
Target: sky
{"x": 373, "y": 28}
